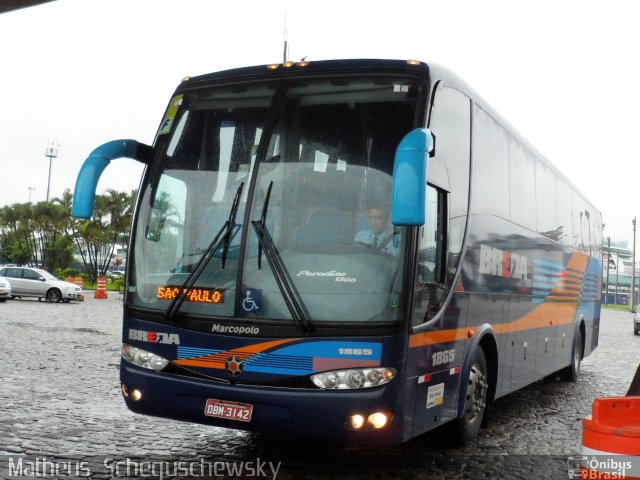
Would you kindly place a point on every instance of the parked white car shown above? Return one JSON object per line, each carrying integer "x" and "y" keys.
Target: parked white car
{"x": 35, "y": 282}
{"x": 5, "y": 289}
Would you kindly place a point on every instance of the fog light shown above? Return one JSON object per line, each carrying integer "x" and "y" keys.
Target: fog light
{"x": 356, "y": 421}
{"x": 137, "y": 395}
{"x": 377, "y": 420}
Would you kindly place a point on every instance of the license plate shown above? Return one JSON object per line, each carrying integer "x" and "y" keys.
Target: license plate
{"x": 229, "y": 410}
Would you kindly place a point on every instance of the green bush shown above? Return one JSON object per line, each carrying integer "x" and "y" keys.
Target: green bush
{"x": 65, "y": 273}
{"x": 117, "y": 284}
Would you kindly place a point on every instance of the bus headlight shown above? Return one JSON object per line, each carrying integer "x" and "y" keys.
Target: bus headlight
{"x": 142, "y": 358}
{"x": 353, "y": 378}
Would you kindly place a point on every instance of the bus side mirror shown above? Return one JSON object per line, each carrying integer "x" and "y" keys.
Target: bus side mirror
{"x": 410, "y": 178}
{"x": 87, "y": 181}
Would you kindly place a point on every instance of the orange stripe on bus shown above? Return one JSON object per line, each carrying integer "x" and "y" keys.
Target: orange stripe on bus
{"x": 578, "y": 262}
{"x": 217, "y": 360}
{"x": 439, "y": 336}
{"x": 559, "y": 312}
{"x": 198, "y": 362}
{"x": 550, "y": 312}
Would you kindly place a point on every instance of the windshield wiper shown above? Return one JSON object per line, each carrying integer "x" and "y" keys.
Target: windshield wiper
{"x": 223, "y": 237}
{"x": 280, "y": 273}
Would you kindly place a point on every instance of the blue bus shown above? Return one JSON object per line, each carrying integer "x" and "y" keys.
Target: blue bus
{"x": 353, "y": 250}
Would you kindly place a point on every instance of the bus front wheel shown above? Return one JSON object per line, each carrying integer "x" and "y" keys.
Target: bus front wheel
{"x": 475, "y": 402}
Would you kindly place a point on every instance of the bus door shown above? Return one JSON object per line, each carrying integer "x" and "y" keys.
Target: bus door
{"x": 436, "y": 348}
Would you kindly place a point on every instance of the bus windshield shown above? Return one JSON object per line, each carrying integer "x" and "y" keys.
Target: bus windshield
{"x": 308, "y": 165}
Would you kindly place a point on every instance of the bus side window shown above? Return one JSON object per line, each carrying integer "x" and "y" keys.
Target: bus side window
{"x": 451, "y": 123}
{"x": 431, "y": 288}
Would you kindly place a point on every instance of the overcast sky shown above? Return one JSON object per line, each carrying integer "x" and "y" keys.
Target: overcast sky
{"x": 565, "y": 73}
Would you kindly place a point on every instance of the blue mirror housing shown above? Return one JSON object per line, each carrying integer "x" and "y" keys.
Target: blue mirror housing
{"x": 410, "y": 178}
{"x": 87, "y": 181}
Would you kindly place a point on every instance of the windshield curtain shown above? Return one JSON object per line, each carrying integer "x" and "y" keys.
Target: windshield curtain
{"x": 312, "y": 235}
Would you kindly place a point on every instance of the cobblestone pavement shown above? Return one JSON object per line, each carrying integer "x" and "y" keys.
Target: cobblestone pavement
{"x": 60, "y": 401}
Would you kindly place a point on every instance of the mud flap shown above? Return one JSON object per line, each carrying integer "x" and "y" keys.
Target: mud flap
{"x": 634, "y": 388}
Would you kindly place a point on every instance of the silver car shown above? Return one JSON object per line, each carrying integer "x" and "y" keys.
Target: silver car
{"x": 35, "y": 282}
{"x": 5, "y": 289}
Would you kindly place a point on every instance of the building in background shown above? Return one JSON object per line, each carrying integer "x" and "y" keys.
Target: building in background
{"x": 617, "y": 281}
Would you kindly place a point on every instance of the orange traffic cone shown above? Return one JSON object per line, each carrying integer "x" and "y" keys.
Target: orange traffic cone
{"x": 101, "y": 290}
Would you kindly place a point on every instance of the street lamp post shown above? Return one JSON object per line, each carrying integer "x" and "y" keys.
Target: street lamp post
{"x": 51, "y": 152}
{"x": 633, "y": 268}
{"x": 31, "y": 189}
{"x": 618, "y": 262}
{"x": 606, "y": 296}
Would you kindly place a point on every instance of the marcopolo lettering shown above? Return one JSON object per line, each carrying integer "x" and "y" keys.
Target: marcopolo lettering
{"x": 502, "y": 263}
{"x": 235, "y": 329}
{"x": 154, "y": 337}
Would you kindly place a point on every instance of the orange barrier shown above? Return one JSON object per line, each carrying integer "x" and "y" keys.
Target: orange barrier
{"x": 611, "y": 439}
{"x": 78, "y": 281}
{"x": 101, "y": 290}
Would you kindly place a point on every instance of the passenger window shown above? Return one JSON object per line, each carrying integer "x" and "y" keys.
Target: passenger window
{"x": 31, "y": 275}
{"x": 546, "y": 215}
{"x": 565, "y": 222}
{"x": 581, "y": 225}
{"x": 14, "y": 273}
{"x": 522, "y": 185}
{"x": 451, "y": 125}
{"x": 490, "y": 166}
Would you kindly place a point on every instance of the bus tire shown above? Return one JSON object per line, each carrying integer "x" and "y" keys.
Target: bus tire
{"x": 572, "y": 372}
{"x": 475, "y": 403}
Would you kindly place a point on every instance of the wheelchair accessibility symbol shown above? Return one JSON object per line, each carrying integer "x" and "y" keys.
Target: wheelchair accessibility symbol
{"x": 251, "y": 299}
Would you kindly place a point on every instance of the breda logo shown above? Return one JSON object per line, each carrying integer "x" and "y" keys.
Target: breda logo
{"x": 502, "y": 263}
{"x": 154, "y": 337}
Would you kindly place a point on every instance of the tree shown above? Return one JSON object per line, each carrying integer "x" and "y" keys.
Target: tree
{"x": 44, "y": 234}
{"x": 96, "y": 238}
{"x": 19, "y": 236}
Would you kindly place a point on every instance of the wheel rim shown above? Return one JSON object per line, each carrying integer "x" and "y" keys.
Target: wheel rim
{"x": 476, "y": 394}
{"x": 53, "y": 296}
{"x": 577, "y": 354}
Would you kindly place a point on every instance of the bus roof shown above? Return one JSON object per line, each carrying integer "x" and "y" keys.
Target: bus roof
{"x": 450, "y": 79}
{"x": 431, "y": 73}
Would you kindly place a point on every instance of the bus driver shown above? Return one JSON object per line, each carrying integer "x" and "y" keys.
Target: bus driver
{"x": 380, "y": 234}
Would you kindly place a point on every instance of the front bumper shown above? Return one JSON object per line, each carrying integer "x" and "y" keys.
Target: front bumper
{"x": 72, "y": 295}
{"x": 294, "y": 412}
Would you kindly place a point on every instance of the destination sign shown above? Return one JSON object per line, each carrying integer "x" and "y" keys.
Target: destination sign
{"x": 199, "y": 295}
